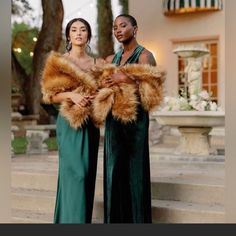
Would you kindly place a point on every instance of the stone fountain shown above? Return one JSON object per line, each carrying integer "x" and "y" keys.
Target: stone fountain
{"x": 194, "y": 126}
{"x": 192, "y": 55}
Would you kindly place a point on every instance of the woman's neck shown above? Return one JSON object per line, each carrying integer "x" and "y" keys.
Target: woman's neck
{"x": 130, "y": 46}
{"x": 78, "y": 52}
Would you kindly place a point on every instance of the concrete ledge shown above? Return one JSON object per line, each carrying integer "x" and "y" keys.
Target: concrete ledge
{"x": 41, "y": 127}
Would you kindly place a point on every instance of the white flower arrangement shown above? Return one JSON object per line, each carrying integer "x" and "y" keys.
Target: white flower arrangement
{"x": 199, "y": 102}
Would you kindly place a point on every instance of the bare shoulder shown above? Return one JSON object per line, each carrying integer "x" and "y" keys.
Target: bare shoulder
{"x": 109, "y": 58}
{"x": 146, "y": 57}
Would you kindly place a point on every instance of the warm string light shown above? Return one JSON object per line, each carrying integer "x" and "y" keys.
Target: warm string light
{"x": 19, "y": 50}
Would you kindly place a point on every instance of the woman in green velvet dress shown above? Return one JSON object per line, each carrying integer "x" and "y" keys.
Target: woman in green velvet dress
{"x": 78, "y": 148}
{"x": 127, "y": 190}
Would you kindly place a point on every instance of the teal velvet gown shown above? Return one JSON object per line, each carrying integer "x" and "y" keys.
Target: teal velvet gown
{"x": 127, "y": 190}
{"x": 78, "y": 151}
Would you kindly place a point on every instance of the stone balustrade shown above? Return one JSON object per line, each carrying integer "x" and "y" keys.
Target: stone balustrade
{"x": 36, "y": 135}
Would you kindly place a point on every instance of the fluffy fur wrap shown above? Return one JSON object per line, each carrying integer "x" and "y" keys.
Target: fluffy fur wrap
{"x": 123, "y": 99}
{"x": 61, "y": 75}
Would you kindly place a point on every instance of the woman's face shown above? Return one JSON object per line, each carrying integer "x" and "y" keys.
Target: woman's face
{"x": 78, "y": 34}
{"x": 123, "y": 29}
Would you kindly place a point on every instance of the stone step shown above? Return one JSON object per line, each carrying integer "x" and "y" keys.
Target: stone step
{"x": 157, "y": 158}
{"x": 182, "y": 212}
{"x": 33, "y": 200}
{"x": 163, "y": 188}
{"x": 176, "y": 212}
{"x": 49, "y": 165}
{"x": 200, "y": 181}
{"x": 203, "y": 191}
{"x": 191, "y": 180}
{"x": 162, "y": 163}
{"x": 37, "y": 206}
{"x": 40, "y": 201}
{"x": 175, "y": 183}
{"x": 32, "y": 206}
{"x": 41, "y": 181}
{"x": 30, "y": 217}
{"x": 34, "y": 181}
{"x": 186, "y": 191}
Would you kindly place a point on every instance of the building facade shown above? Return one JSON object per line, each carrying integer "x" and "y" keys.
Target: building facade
{"x": 163, "y": 25}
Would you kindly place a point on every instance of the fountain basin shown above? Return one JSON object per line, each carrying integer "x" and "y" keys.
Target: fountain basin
{"x": 191, "y": 118}
{"x": 194, "y": 127}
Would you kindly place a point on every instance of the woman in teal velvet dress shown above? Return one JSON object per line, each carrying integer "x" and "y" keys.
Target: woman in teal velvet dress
{"x": 127, "y": 190}
{"x": 78, "y": 148}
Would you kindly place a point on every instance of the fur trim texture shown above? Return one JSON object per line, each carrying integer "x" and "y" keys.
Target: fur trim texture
{"x": 122, "y": 99}
{"x": 151, "y": 79}
{"x": 61, "y": 75}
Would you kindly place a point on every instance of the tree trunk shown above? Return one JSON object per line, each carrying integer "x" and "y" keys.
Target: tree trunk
{"x": 49, "y": 39}
{"x": 105, "y": 22}
{"x": 125, "y": 6}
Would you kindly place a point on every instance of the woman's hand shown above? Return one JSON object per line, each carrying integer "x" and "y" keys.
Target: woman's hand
{"x": 81, "y": 101}
{"x": 117, "y": 78}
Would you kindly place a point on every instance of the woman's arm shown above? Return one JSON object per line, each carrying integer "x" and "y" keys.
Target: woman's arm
{"x": 147, "y": 57}
{"x": 76, "y": 98}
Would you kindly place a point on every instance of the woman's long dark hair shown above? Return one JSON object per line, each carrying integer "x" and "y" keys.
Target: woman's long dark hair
{"x": 67, "y": 32}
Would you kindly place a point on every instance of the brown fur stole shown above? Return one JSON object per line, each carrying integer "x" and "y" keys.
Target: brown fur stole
{"x": 61, "y": 75}
{"x": 122, "y": 99}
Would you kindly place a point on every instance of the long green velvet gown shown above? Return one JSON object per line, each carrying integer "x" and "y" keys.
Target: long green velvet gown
{"x": 78, "y": 151}
{"x": 127, "y": 191}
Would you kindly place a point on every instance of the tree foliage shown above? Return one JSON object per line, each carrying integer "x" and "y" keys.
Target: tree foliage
{"x": 20, "y": 7}
{"x": 23, "y": 37}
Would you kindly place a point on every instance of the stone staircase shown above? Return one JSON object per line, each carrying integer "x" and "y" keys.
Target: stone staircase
{"x": 184, "y": 189}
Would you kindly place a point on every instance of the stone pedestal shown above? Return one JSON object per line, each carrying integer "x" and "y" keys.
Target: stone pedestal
{"x": 194, "y": 127}
{"x": 194, "y": 140}
{"x": 35, "y": 139}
